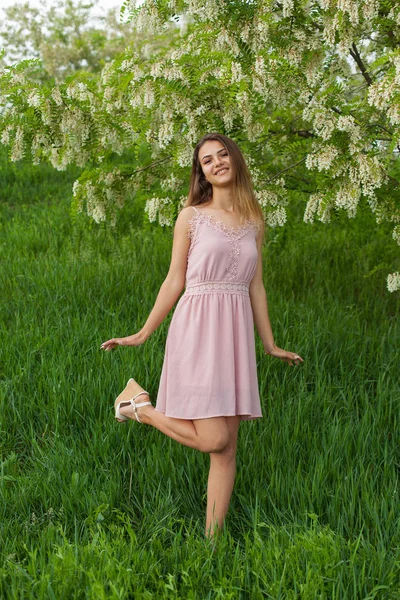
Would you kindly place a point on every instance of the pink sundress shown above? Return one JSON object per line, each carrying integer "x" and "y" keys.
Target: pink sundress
{"x": 209, "y": 367}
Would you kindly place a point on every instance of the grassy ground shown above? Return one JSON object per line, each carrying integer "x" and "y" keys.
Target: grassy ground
{"x": 93, "y": 509}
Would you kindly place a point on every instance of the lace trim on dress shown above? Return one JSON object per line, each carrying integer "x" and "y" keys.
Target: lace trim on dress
{"x": 234, "y": 234}
{"x": 204, "y": 287}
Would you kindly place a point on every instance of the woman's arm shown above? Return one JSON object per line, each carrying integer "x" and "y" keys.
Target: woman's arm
{"x": 258, "y": 298}
{"x": 174, "y": 282}
{"x": 259, "y": 305}
{"x": 169, "y": 290}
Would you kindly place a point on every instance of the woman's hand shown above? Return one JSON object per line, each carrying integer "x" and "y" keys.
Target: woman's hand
{"x": 132, "y": 340}
{"x": 288, "y": 357}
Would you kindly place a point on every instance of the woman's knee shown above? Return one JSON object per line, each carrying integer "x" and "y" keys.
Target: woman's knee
{"x": 217, "y": 443}
{"x": 227, "y": 454}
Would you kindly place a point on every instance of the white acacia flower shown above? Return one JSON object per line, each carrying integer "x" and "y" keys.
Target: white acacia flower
{"x": 348, "y": 124}
{"x": 171, "y": 183}
{"x": 267, "y": 198}
{"x": 228, "y": 117}
{"x": 351, "y": 8}
{"x": 156, "y": 69}
{"x": 396, "y": 234}
{"x": 76, "y": 188}
{"x": 277, "y": 217}
{"x": 288, "y": 6}
{"x": 393, "y": 282}
{"x": 56, "y": 95}
{"x": 185, "y": 156}
{"x": 34, "y": 98}
{"x": 5, "y": 136}
{"x": 18, "y": 148}
{"x": 18, "y": 79}
{"x": 165, "y": 133}
{"x": 254, "y": 130}
{"x": 322, "y": 159}
{"x": 237, "y": 74}
{"x": 348, "y": 197}
{"x": 57, "y": 159}
{"x": 40, "y": 145}
{"x": 148, "y": 95}
{"x": 151, "y": 208}
{"x": 312, "y": 207}
{"x": 245, "y": 33}
{"x": 225, "y": 41}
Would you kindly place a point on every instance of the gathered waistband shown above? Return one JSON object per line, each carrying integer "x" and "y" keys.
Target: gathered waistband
{"x": 209, "y": 287}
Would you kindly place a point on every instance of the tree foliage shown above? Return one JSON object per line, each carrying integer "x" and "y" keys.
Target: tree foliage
{"x": 65, "y": 35}
{"x": 310, "y": 89}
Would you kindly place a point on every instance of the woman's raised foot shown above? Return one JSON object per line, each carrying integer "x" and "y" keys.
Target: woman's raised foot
{"x": 128, "y": 410}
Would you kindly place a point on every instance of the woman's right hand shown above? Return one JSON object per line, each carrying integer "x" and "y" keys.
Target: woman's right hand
{"x": 132, "y": 340}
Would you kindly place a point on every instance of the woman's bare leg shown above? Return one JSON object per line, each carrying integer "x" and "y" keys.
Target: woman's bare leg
{"x": 206, "y": 435}
{"x": 221, "y": 479}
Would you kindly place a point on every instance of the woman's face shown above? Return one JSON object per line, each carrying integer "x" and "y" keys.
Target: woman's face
{"x": 215, "y": 162}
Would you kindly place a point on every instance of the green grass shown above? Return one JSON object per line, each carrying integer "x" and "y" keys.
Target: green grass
{"x": 92, "y": 509}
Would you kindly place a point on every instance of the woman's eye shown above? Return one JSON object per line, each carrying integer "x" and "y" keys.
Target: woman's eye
{"x": 207, "y": 162}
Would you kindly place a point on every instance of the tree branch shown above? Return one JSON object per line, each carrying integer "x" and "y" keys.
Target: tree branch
{"x": 286, "y": 169}
{"x": 303, "y": 133}
{"x": 355, "y": 54}
{"x": 154, "y": 164}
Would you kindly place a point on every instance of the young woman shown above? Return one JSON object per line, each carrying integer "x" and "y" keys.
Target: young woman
{"x": 209, "y": 380}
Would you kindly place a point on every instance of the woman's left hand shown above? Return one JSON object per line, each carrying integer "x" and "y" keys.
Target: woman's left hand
{"x": 288, "y": 357}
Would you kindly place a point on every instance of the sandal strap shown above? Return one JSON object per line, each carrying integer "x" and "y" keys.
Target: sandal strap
{"x": 136, "y": 406}
{"x": 139, "y": 394}
{"x": 142, "y": 404}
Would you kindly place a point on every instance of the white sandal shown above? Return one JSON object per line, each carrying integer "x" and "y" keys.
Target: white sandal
{"x": 134, "y": 405}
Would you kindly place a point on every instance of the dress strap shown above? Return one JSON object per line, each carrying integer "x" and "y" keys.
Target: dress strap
{"x": 195, "y": 210}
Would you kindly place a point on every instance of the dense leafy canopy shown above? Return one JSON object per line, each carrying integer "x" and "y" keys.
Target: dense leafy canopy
{"x": 310, "y": 89}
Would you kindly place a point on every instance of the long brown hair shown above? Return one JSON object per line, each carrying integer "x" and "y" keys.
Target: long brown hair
{"x": 200, "y": 190}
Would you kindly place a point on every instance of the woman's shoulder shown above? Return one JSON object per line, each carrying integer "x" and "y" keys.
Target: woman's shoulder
{"x": 184, "y": 221}
{"x": 185, "y": 214}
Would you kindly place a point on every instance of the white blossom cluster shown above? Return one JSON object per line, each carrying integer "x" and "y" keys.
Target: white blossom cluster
{"x": 101, "y": 195}
{"x": 347, "y": 123}
{"x": 18, "y": 148}
{"x": 288, "y": 6}
{"x": 341, "y": 19}
{"x": 34, "y": 98}
{"x": 161, "y": 209}
{"x": 323, "y": 159}
{"x": 394, "y": 14}
{"x": 205, "y": 11}
{"x": 366, "y": 172}
{"x": 79, "y": 91}
{"x": 225, "y": 41}
{"x": 172, "y": 182}
{"x": 5, "y": 136}
{"x": 56, "y": 95}
{"x": 396, "y": 234}
{"x": 74, "y": 123}
{"x": 385, "y": 93}
{"x": 237, "y": 73}
{"x": 40, "y": 147}
{"x": 323, "y": 120}
{"x": 147, "y": 18}
{"x": 318, "y": 205}
{"x": 393, "y": 282}
{"x": 312, "y": 207}
{"x": 273, "y": 201}
{"x": 165, "y": 132}
{"x": 348, "y": 196}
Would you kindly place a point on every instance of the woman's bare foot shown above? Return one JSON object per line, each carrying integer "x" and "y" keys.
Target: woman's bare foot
{"x": 132, "y": 388}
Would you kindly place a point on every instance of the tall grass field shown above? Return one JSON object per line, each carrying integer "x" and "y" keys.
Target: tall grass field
{"x": 93, "y": 509}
